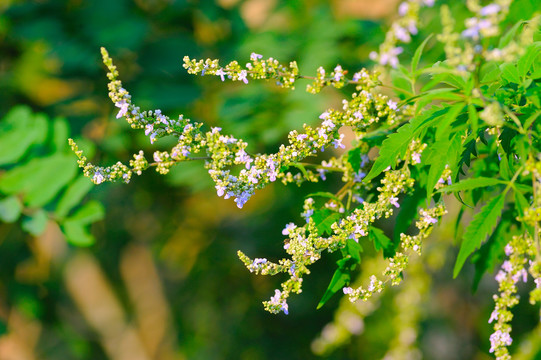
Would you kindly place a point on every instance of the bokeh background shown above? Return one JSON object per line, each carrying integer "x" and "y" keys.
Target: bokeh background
{"x": 162, "y": 279}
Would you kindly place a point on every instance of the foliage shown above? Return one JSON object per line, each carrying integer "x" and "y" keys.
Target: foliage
{"x": 466, "y": 124}
{"x": 481, "y": 103}
{"x": 38, "y": 182}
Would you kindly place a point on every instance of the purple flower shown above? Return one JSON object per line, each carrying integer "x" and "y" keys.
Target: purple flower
{"x": 403, "y": 8}
{"x": 148, "y": 129}
{"x": 242, "y": 76}
{"x": 401, "y": 34}
{"x": 324, "y": 115}
{"x": 390, "y": 57}
{"x": 98, "y": 178}
{"x": 392, "y": 105}
{"x": 490, "y": 10}
{"x": 322, "y": 173}
{"x": 338, "y": 73}
{"x": 358, "y": 115}
{"x": 220, "y": 189}
{"x": 338, "y": 142}
{"x": 289, "y": 228}
{"x": 358, "y": 177}
{"x": 242, "y": 199}
{"x": 220, "y": 72}
{"x": 255, "y": 56}
{"x": 123, "y": 105}
{"x": 394, "y": 200}
{"x": 347, "y": 290}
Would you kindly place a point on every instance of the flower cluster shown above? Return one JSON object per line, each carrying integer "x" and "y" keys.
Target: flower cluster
{"x": 400, "y": 32}
{"x": 225, "y": 151}
{"x": 398, "y": 263}
{"x": 345, "y": 221}
{"x": 512, "y": 271}
{"x": 463, "y": 48}
{"x": 305, "y": 245}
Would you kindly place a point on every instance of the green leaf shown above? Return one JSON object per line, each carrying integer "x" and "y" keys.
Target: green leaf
{"x": 16, "y": 134}
{"x": 510, "y": 73}
{"x": 90, "y": 212}
{"x": 520, "y": 204}
{"x": 470, "y": 150}
{"x": 401, "y": 83}
{"x": 396, "y": 144}
{"x": 442, "y": 152}
{"x": 506, "y": 137}
{"x": 505, "y": 171}
{"x": 354, "y": 159}
{"x": 76, "y": 233}
{"x": 60, "y": 134}
{"x": 526, "y": 61}
{"x": 323, "y": 219}
{"x": 73, "y": 195}
{"x": 478, "y": 230}
{"x": 473, "y": 117}
{"x": 381, "y": 241}
{"x": 10, "y": 209}
{"x": 342, "y": 275}
{"x": 448, "y": 119}
{"x": 434, "y": 81}
{"x": 301, "y": 168}
{"x": 468, "y": 184}
{"x": 324, "y": 194}
{"x": 40, "y": 179}
{"x": 417, "y": 55}
{"x": 489, "y": 254}
{"x": 531, "y": 119}
{"x": 36, "y": 223}
{"x": 60, "y": 172}
{"x": 353, "y": 249}
{"x": 490, "y": 72}
{"x": 506, "y": 39}
{"x": 340, "y": 279}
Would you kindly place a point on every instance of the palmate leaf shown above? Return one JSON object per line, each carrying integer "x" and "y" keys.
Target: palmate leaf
{"x": 397, "y": 143}
{"x": 324, "y": 218}
{"x": 442, "y": 152}
{"x": 492, "y": 251}
{"x": 381, "y": 241}
{"x": 469, "y": 184}
{"x": 478, "y": 230}
{"x": 470, "y": 149}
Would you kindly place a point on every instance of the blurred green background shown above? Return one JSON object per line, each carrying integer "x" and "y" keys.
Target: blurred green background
{"x": 162, "y": 279}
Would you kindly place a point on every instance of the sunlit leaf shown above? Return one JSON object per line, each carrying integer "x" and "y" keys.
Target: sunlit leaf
{"x": 478, "y": 230}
